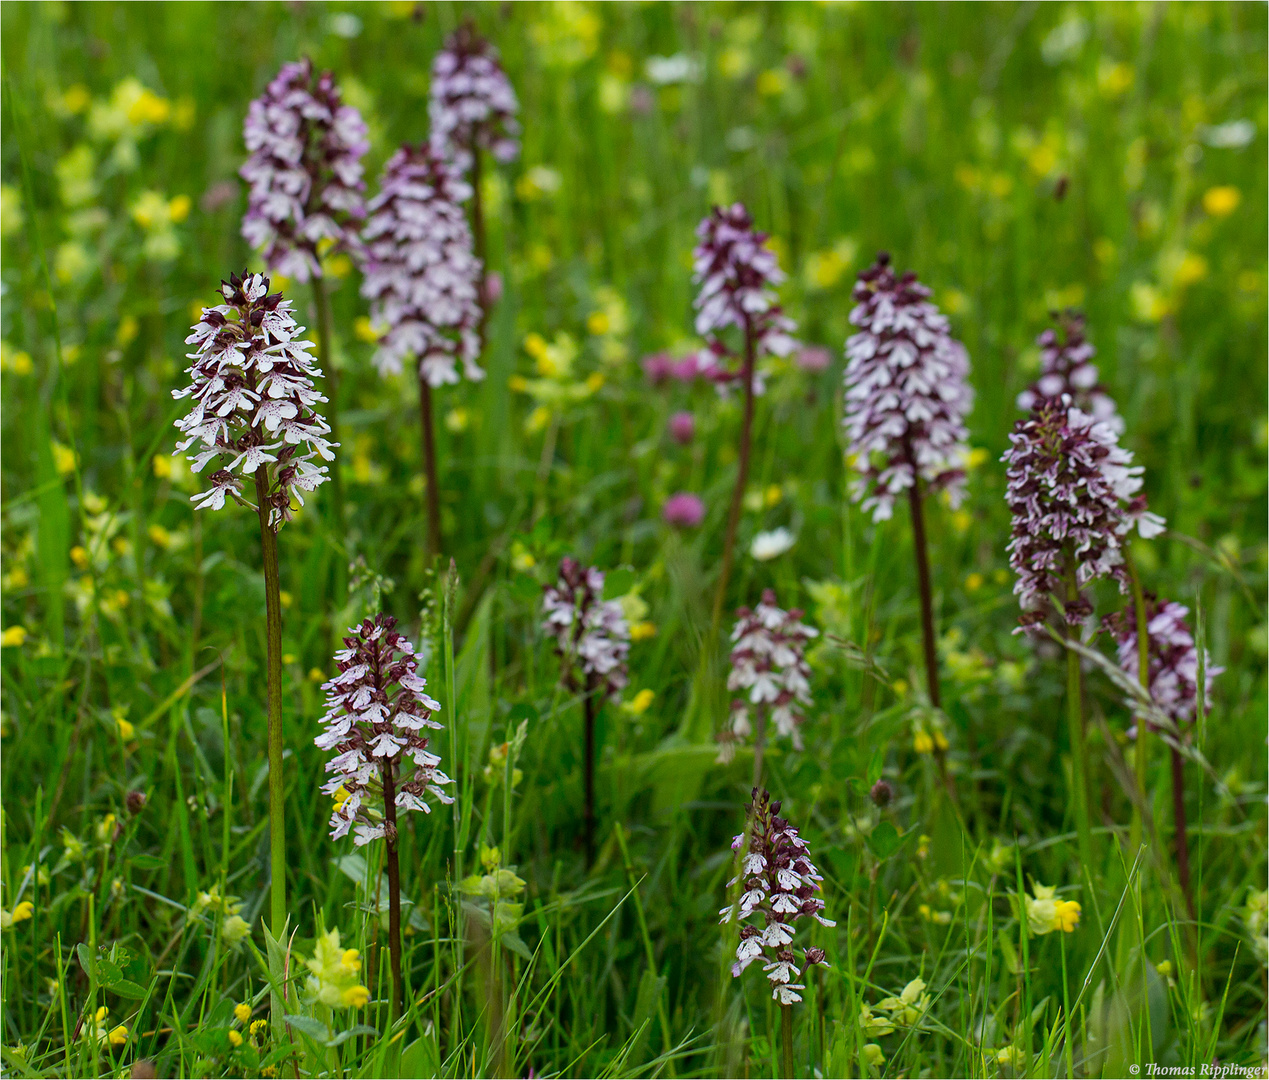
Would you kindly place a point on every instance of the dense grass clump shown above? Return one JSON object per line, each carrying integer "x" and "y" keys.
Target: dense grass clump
{"x": 1013, "y": 858}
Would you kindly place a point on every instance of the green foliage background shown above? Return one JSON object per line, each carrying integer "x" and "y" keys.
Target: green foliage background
{"x": 1020, "y": 158}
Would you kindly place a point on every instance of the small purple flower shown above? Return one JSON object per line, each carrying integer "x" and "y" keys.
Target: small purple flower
{"x": 590, "y": 632}
{"x": 254, "y": 400}
{"x": 1074, "y": 495}
{"x": 304, "y": 170}
{"x": 736, "y": 272}
{"x": 1067, "y": 368}
{"x": 682, "y": 427}
{"x": 907, "y": 392}
{"x": 377, "y": 712}
{"x": 813, "y": 359}
{"x": 471, "y": 104}
{"x": 658, "y": 368}
{"x": 421, "y": 275}
{"x": 768, "y": 660}
{"x": 1173, "y": 658}
{"x": 780, "y": 883}
{"x": 683, "y": 511}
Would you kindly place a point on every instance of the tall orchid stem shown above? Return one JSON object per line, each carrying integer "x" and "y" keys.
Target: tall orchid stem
{"x": 786, "y": 1038}
{"x": 1075, "y": 722}
{"x": 588, "y": 805}
{"x": 394, "y": 887}
{"x": 759, "y": 745}
{"x": 478, "y": 234}
{"x": 916, "y": 501}
{"x": 738, "y": 495}
{"x": 326, "y": 359}
{"x": 1179, "y": 825}
{"x": 277, "y": 787}
{"x": 1143, "y": 728}
{"x": 427, "y": 437}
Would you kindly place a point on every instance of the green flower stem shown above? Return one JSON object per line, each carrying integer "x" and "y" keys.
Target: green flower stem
{"x": 326, "y": 360}
{"x": 738, "y": 495}
{"x": 588, "y": 806}
{"x": 1075, "y": 721}
{"x": 277, "y": 788}
{"x": 432, "y": 545}
{"x": 394, "y": 888}
{"x": 759, "y": 744}
{"x": 1137, "y": 831}
{"x": 786, "y": 1038}
{"x": 916, "y": 500}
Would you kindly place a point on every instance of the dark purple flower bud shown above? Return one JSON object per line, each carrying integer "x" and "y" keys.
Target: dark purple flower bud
{"x": 1066, "y": 367}
{"x": 1070, "y": 489}
{"x": 907, "y": 392}
{"x": 658, "y": 368}
{"x": 683, "y": 511}
{"x": 422, "y": 277}
{"x": 768, "y": 661}
{"x": 471, "y": 104}
{"x": 135, "y": 801}
{"x": 736, "y": 272}
{"x": 254, "y": 400}
{"x": 682, "y": 427}
{"x": 1173, "y": 657}
{"x": 377, "y": 710}
{"x": 779, "y": 883}
{"x": 591, "y": 633}
{"x": 304, "y": 169}
{"x": 882, "y": 793}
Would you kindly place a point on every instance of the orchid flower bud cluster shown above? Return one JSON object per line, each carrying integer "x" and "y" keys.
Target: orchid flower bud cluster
{"x": 471, "y": 104}
{"x": 780, "y": 884}
{"x": 1074, "y": 493}
{"x": 421, "y": 275}
{"x": 1066, "y": 368}
{"x": 768, "y": 662}
{"x": 304, "y": 170}
{"x": 1174, "y": 658}
{"x": 736, "y": 272}
{"x": 377, "y": 710}
{"x": 590, "y": 632}
{"x": 254, "y": 401}
{"x": 907, "y": 392}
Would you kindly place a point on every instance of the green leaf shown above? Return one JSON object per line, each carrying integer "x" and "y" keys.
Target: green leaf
{"x": 314, "y": 1029}
{"x": 356, "y": 1029}
{"x": 86, "y": 960}
{"x": 420, "y": 1058}
{"x": 524, "y": 587}
{"x": 618, "y": 582}
{"x": 885, "y": 840}
{"x": 147, "y": 862}
{"x": 875, "y": 765}
{"x": 513, "y": 941}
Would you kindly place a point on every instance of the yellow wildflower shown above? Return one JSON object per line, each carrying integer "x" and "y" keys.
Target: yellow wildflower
{"x": 911, "y": 1003}
{"x": 974, "y": 582}
{"x": 873, "y": 1056}
{"x": 457, "y": 420}
{"x": 334, "y": 970}
{"x": 257, "y": 1026}
{"x": 14, "y": 635}
{"x": 64, "y": 458}
{"x": 126, "y": 729}
{"x": 639, "y": 704}
{"x": 159, "y": 536}
{"x": 235, "y": 1038}
{"x": 1046, "y": 913}
{"x": 641, "y": 631}
{"x": 1221, "y": 201}
{"x": 243, "y": 1012}
{"x": 875, "y": 1026}
{"x": 235, "y": 929}
{"x": 20, "y": 913}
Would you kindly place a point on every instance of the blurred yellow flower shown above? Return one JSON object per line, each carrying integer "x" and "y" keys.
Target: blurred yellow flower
{"x": 922, "y": 743}
{"x": 333, "y": 974}
{"x": 76, "y": 99}
{"x": 20, "y": 913}
{"x": 285, "y": 599}
{"x": 178, "y": 209}
{"x": 974, "y": 582}
{"x": 639, "y": 704}
{"x": 772, "y": 495}
{"x": 1221, "y": 201}
{"x": 126, "y": 729}
{"x": 873, "y": 1056}
{"x": 1147, "y": 303}
{"x": 79, "y": 556}
{"x": 594, "y": 381}
{"x": 316, "y": 675}
{"x": 538, "y": 181}
{"x": 159, "y": 536}
{"x": 1114, "y": 79}
{"x": 518, "y": 383}
{"x": 64, "y": 458}
{"x": 162, "y": 466}
{"x": 1046, "y": 912}
{"x": 235, "y": 1038}
{"x": 537, "y": 420}
{"x": 127, "y": 332}
{"x": 72, "y": 261}
{"x": 961, "y": 521}
{"x": 364, "y": 331}
{"x": 535, "y": 344}
{"x": 597, "y": 322}
{"x": 338, "y": 266}
{"x": 457, "y": 420}
{"x": 642, "y": 631}
{"x": 17, "y": 361}
{"x": 772, "y": 82}
{"x": 243, "y": 1012}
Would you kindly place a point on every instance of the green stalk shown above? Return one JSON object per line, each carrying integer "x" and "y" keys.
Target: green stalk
{"x": 277, "y": 791}
{"x": 394, "y": 888}
{"x": 326, "y": 359}
{"x": 432, "y": 542}
{"x": 737, "y": 495}
{"x": 1143, "y": 676}
{"x": 759, "y": 744}
{"x": 786, "y": 1038}
{"x": 1075, "y": 721}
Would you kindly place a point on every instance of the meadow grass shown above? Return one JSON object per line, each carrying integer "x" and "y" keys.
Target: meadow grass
{"x": 1021, "y": 158}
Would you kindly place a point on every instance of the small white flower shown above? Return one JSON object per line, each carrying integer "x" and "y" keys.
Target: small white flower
{"x": 768, "y": 545}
